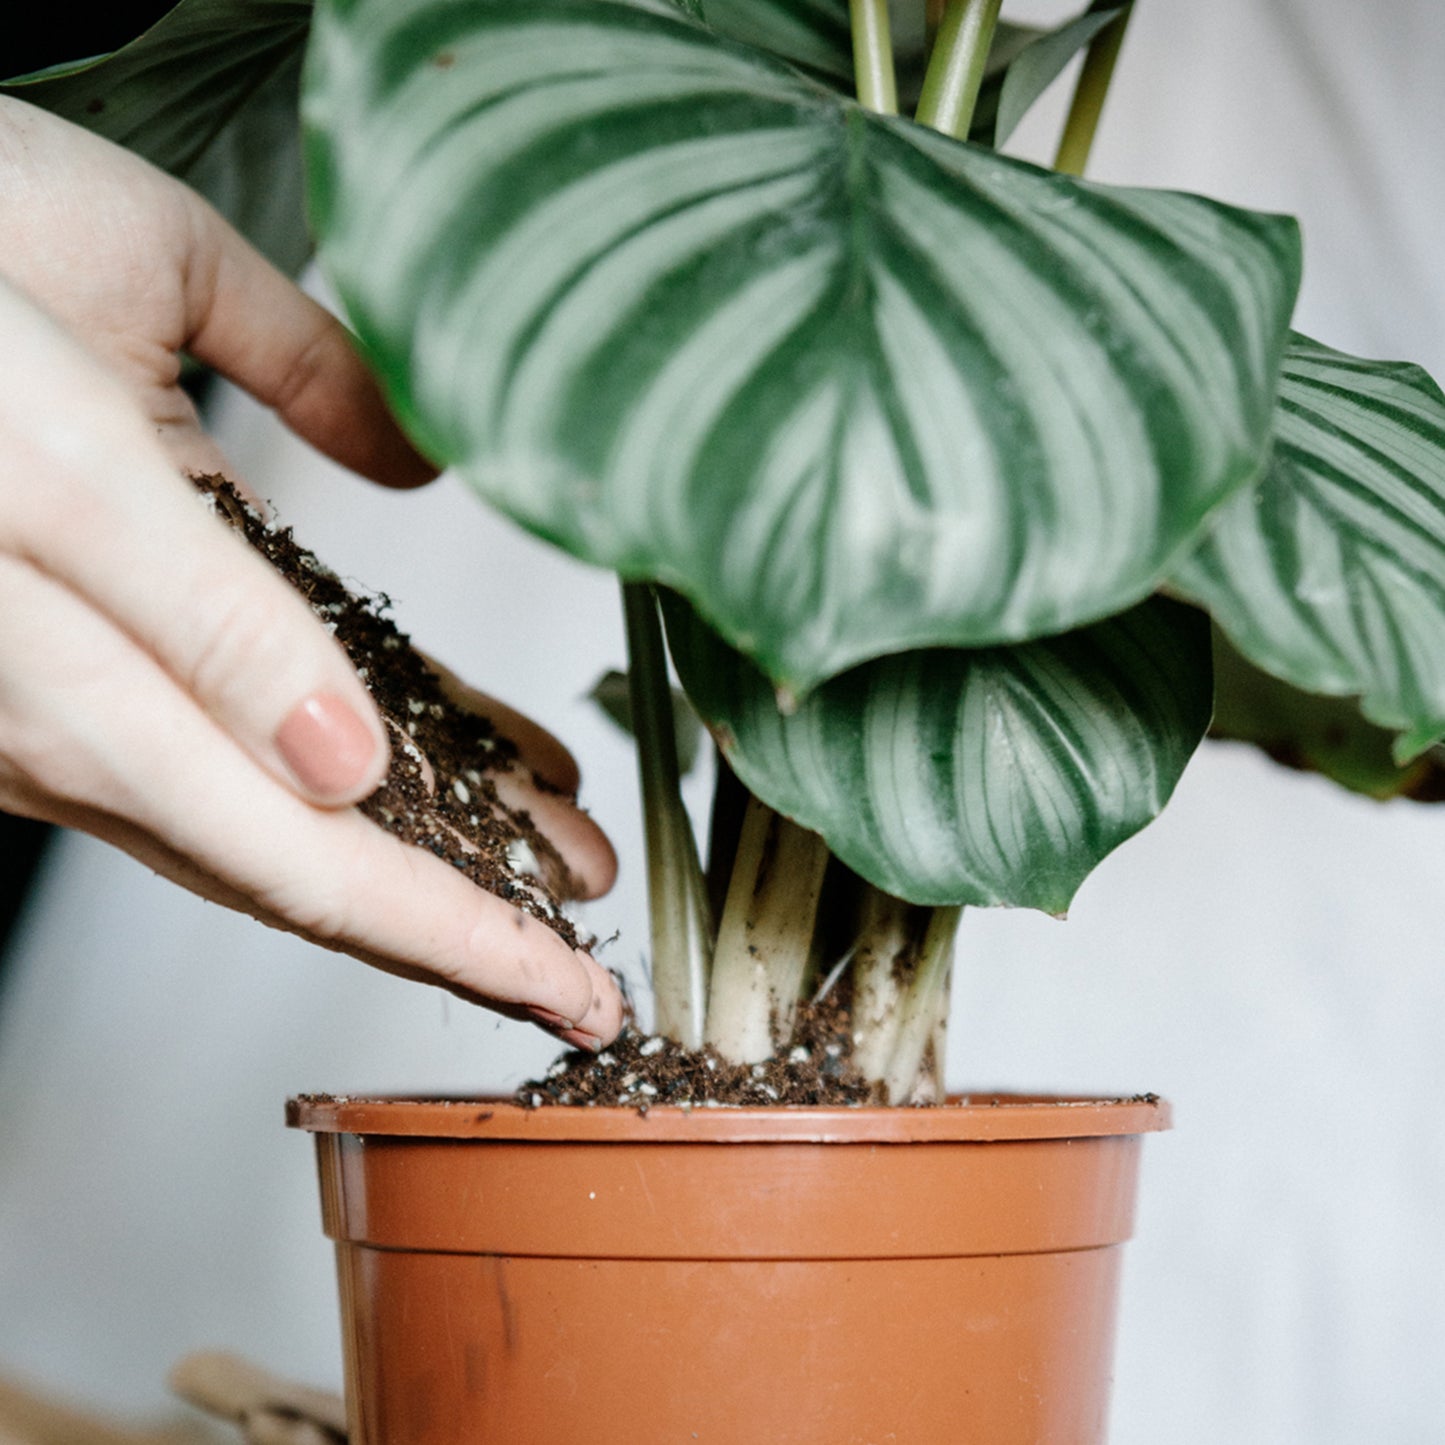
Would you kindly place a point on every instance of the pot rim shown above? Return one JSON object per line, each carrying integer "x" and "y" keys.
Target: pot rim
{"x": 976, "y": 1117}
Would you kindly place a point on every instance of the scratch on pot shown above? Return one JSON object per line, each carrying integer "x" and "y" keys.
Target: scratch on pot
{"x": 504, "y": 1303}
{"x": 646, "y": 1192}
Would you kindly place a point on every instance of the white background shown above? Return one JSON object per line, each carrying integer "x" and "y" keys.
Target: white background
{"x": 1268, "y": 955}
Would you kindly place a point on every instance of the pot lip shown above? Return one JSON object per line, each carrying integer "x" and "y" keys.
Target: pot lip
{"x": 981, "y": 1116}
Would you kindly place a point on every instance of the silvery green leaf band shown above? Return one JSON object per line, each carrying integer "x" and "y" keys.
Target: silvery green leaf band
{"x": 1331, "y": 573}
{"x": 996, "y": 776}
{"x": 851, "y": 386}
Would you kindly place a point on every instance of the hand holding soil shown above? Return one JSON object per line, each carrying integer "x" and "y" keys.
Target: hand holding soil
{"x": 160, "y": 687}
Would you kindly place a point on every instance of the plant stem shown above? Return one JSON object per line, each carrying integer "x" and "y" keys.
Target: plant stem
{"x": 676, "y": 894}
{"x": 876, "y": 79}
{"x": 906, "y": 1079}
{"x": 956, "y": 67}
{"x": 900, "y": 994}
{"x": 725, "y": 826}
{"x": 888, "y": 944}
{"x": 764, "y": 944}
{"x": 1089, "y": 94}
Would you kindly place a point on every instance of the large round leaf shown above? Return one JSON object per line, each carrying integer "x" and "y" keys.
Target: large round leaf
{"x": 850, "y": 385}
{"x": 1331, "y": 574}
{"x": 997, "y": 776}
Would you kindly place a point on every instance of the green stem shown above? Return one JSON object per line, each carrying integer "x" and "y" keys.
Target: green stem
{"x": 1089, "y": 94}
{"x": 873, "y": 56}
{"x": 676, "y": 893}
{"x": 765, "y": 939}
{"x": 956, "y": 67}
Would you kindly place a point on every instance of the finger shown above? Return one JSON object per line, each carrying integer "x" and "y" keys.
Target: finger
{"x": 23, "y": 800}
{"x": 99, "y": 726}
{"x": 256, "y": 327}
{"x": 97, "y": 505}
{"x": 584, "y": 847}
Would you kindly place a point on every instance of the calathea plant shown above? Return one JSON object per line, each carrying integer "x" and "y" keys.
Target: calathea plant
{"x": 939, "y": 463}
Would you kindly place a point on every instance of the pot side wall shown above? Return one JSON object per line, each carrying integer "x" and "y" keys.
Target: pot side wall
{"x": 634, "y": 1291}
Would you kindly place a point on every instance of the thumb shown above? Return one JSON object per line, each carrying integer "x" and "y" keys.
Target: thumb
{"x": 90, "y": 497}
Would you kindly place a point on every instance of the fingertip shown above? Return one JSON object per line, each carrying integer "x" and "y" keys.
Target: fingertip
{"x": 606, "y": 1012}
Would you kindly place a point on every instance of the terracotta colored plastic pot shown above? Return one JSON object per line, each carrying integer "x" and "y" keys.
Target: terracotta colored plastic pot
{"x": 736, "y": 1277}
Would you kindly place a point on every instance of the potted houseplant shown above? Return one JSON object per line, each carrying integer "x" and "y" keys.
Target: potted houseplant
{"x": 1071, "y": 398}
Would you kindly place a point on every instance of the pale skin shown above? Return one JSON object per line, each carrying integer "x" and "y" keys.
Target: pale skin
{"x": 160, "y": 687}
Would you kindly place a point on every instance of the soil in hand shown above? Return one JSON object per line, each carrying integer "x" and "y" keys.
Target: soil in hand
{"x": 440, "y": 792}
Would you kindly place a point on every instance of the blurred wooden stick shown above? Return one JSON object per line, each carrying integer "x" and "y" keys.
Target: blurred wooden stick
{"x": 269, "y": 1410}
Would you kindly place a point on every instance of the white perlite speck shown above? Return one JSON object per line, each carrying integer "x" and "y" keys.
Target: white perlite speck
{"x": 654, "y": 1045}
{"x": 462, "y": 792}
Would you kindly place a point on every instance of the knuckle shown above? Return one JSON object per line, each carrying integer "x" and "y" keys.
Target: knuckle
{"x": 243, "y": 642}
{"x": 309, "y": 364}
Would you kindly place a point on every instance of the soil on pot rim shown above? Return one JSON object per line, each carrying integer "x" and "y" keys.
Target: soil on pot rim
{"x": 640, "y": 1070}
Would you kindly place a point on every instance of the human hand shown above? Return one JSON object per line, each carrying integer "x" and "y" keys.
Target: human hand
{"x": 160, "y": 687}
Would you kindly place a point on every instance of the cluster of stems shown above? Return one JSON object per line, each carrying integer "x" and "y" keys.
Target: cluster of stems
{"x": 739, "y": 985}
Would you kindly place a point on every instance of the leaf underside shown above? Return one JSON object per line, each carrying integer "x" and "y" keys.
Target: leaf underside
{"x": 851, "y": 386}
{"x": 997, "y": 776}
{"x": 1330, "y": 574}
{"x": 1314, "y": 734}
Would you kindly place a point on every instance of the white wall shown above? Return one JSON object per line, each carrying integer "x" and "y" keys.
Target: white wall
{"x": 1268, "y": 955}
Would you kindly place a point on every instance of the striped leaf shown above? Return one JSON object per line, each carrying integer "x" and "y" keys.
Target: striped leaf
{"x": 997, "y": 776}
{"x": 851, "y": 386}
{"x": 1331, "y": 574}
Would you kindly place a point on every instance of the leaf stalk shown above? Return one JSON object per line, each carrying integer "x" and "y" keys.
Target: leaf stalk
{"x": 957, "y": 65}
{"x": 676, "y": 892}
{"x": 765, "y": 939}
{"x": 876, "y": 79}
{"x": 1089, "y": 94}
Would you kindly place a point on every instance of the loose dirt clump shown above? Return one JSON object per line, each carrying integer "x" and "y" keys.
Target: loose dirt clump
{"x": 639, "y": 1071}
{"x": 439, "y": 792}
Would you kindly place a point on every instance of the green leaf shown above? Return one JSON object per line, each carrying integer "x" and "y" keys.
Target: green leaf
{"x": 210, "y": 93}
{"x": 998, "y": 776}
{"x": 1040, "y": 63}
{"x": 1326, "y": 735}
{"x": 850, "y": 385}
{"x": 1330, "y": 574}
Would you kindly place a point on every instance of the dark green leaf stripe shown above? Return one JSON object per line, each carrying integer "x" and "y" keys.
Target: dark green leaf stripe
{"x": 997, "y": 776}
{"x": 1331, "y": 574}
{"x": 851, "y": 386}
